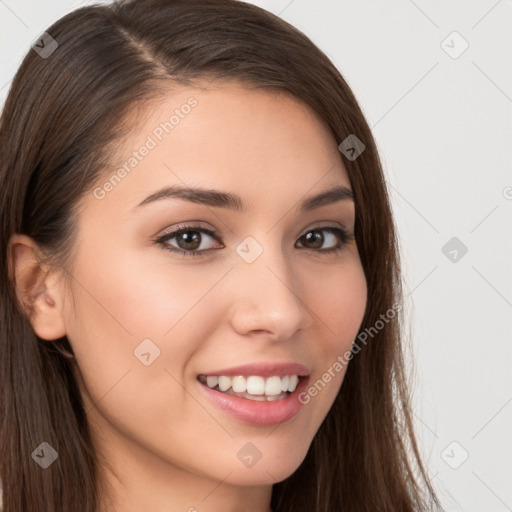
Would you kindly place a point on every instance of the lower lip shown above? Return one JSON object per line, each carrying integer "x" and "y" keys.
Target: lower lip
{"x": 258, "y": 412}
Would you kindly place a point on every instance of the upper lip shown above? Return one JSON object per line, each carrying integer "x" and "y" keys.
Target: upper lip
{"x": 263, "y": 369}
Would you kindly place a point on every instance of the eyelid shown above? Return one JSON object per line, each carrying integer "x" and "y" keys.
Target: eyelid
{"x": 192, "y": 225}
{"x": 189, "y": 224}
{"x": 326, "y": 224}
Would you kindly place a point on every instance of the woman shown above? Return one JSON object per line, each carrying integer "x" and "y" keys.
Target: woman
{"x": 201, "y": 284}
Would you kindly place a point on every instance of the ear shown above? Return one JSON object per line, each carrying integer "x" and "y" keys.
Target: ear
{"x": 37, "y": 289}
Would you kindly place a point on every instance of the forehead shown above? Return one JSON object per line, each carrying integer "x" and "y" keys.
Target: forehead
{"x": 258, "y": 144}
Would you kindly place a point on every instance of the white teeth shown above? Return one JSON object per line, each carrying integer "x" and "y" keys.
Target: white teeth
{"x": 294, "y": 380}
{"x": 212, "y": 381}
{"x": 224, "y": 383}
{"x": 258, "y": 398}
{"x": 254, "y": 384}
{"x": 239, "y": 384}
{"x": 273, "y": 386}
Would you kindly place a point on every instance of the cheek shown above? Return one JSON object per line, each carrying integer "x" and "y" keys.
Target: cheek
{"x": 133, "y": 299}
{"x": 119, "y": 306}
{"x": 339, "y": 305}
{"x": 116, "y": 308}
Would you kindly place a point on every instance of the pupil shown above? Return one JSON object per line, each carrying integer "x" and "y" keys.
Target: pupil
{"x": 316, "y": 237}
{"x": 194, "y": 239}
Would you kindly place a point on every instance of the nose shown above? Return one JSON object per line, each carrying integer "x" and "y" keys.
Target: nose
{"x": 267, "y": 297}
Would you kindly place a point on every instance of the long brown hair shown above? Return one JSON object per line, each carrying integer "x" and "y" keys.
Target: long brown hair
{"x": 63, "y": 111}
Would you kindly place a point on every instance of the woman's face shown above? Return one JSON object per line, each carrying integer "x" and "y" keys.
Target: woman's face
{"x": 145, "y": 322}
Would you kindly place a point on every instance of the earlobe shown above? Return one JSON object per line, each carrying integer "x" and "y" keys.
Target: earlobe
{"x": 36, "y": 288}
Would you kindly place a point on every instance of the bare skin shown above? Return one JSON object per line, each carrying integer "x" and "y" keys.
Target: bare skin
{"x": 169, "y": 446}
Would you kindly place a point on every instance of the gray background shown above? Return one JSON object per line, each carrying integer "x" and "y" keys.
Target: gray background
{"x": 442, "y": 123}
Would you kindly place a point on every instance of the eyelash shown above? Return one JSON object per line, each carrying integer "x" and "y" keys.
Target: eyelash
{"x": 343, "y": 235}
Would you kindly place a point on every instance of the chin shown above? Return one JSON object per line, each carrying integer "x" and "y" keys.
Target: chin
{"x": 270, "y": 466}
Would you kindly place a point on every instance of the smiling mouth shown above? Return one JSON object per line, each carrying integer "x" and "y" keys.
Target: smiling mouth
{"x": 253, "y": 387}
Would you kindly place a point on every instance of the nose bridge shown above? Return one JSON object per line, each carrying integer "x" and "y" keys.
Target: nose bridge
{"x": 267, "y": 292}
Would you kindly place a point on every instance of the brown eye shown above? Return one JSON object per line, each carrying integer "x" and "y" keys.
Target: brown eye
{"x": 188, "y": 240}
{"x": 314, "y": 239}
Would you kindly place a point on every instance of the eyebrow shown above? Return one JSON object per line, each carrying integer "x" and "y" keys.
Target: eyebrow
{"x": 218, "y": 199}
